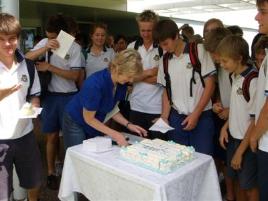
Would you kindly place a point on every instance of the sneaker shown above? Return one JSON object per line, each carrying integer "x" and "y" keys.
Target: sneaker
{"x": 52, "y": 182}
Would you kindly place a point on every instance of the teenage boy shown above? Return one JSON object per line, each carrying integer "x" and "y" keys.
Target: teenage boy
{"x": 233, "y": 51}
{"x": 259, "y": 135}
{"x": 146, "y": 97}
{"x": 61, "y": 88}
{"x": 188, "y": 108}
{"x": 18, "y": 146}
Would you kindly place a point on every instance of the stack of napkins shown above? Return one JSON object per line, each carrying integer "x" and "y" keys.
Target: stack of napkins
{"x": 97, "y": 144}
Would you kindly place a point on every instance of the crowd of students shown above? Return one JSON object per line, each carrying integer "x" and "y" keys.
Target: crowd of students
{"x": 208, "y": 88}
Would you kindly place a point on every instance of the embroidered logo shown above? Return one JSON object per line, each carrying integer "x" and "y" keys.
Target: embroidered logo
{"x": 105, "y": 59}
{"x": 24, "y": 78}
{"x": 189, "y": 65}
{"x": 67, "y": 57}
{"x": 156, "y": 57}
{"x": 239, "y": 91}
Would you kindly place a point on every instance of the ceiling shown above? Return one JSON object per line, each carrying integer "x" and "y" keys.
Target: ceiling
{"x": 176, "y": 8}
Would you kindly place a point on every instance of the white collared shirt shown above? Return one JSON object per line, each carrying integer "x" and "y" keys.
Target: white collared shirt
{"x": 261, "y": 97}
{"x": 147, "y": 98}
{"x": 96, "y": 63}
{"x": 11, "y": 127}
{"x": 180, "y": 71}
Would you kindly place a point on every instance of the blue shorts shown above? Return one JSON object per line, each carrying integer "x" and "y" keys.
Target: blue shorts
{"x": 24, "y": 154}
{"x": 247, "y": 175}
{"x": 262, "y": 159}
{"x": 53, "y": 108}
{"x": 201, "y": 137}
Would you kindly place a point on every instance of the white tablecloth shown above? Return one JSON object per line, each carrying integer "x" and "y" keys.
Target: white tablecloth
{"x": 105, "y": 177}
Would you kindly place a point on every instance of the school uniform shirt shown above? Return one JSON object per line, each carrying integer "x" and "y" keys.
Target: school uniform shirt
{"x": 11, "y": 126}
{"x": 97, "y": 94}
{"x": 262, "y": 95}
{"x": 72, "y": 61}
{"x": 180, "y": 71}
{"x": 241, "y": 111}
{"x": 145, "y": 97}
{"x": 96, "y": 63}
{"x": 224, "y": 87}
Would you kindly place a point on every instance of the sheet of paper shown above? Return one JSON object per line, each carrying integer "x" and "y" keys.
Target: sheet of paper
{"x": 65, "y": 40}
{"x": 37, "y": 111}
{"x": 160, "y": 125}
{"x": 112, "y": 113}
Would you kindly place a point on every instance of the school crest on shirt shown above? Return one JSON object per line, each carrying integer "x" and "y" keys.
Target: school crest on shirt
{"x": 67, "y": 57}
{"x": 156, "y": 57}
{"x": 24, "y": 78}
{"x": 189, "y": 65}
{"x": 239, "y": 91}
{"x": 105, "y": 59}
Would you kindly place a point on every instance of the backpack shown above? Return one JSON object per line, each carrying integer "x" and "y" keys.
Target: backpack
{"x": 246, "y": 83}
{"x": 190, "y": 48}
{"x": 139, "y": 42}
{"x": 31, "y": 70}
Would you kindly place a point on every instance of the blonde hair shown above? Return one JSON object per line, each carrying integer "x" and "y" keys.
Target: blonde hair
{"x": 127, "y": 62}
{"x": 147, "y": 16}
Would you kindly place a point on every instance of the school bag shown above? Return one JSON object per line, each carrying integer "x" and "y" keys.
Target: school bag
{"x": 246, "y": 82}
{"x": 139, "y": 42}
{"x": 191, "y": 49}
{"x": 31, "y": 70}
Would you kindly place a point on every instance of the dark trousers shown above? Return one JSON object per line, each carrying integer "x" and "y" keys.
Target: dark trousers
{"x": 145, "y": 120}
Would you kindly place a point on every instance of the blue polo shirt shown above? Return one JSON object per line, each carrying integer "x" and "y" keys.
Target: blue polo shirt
{"x": 95, "y": 95}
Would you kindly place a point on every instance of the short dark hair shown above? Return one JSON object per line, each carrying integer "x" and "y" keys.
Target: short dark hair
{"x": 56, "y": 23}
{"x": 236, "y": 30}
{"x": 118, "y": 37}
{"x": 9, "y": 24}
{"x": 234, "y": 47}
{"x": 165, "y": 29}
{"x": 261, "y": 44}
{"x": 260, "y": 2}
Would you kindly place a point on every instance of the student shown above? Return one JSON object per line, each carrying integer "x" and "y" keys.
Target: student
{"x": 233, "y": 51}
{"x": 259, "y": 50}
{"x": 188, "y": 110}
{"x": 146, "y": 97}
{"x": 17, "y": 141}
{"x": 98, "y": 55}
{"x": 259, "y": 135}
{"x": 211, "y": 24}
{"x": 85, "y": 114}
{"x": 221, "y": 104}
{"x": 61, "y": 88}
{"x": 120, "y": 43}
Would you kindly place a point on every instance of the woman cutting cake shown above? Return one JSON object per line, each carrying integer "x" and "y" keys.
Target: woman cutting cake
{"x": 85, "y": 113}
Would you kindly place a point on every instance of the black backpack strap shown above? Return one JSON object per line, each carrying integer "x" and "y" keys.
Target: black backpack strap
{"x": 166, "y": 58}
{"x": 193, "y": 54}
{"x": 160, "y": 51}
{"x": 31, "y": 70}
{"x": 138, "y": 43}
{"x": 230, "y": 78}
{"x": 246, "y": 83}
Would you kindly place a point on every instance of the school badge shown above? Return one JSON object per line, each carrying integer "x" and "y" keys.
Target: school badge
{"x": 24, "y": 78}
{"x": 156, "y": 57}
{"x": 239, "y": 91}
{"x": 189, "y": 65}
{"x": 67, "y": 57}
{"x": 105, "y": 59}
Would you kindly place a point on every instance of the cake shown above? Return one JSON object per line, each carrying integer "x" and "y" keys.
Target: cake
{"x": 158, "y": 155}
{"x": 27, "y": 109}
{"x": 97, "y": 144}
